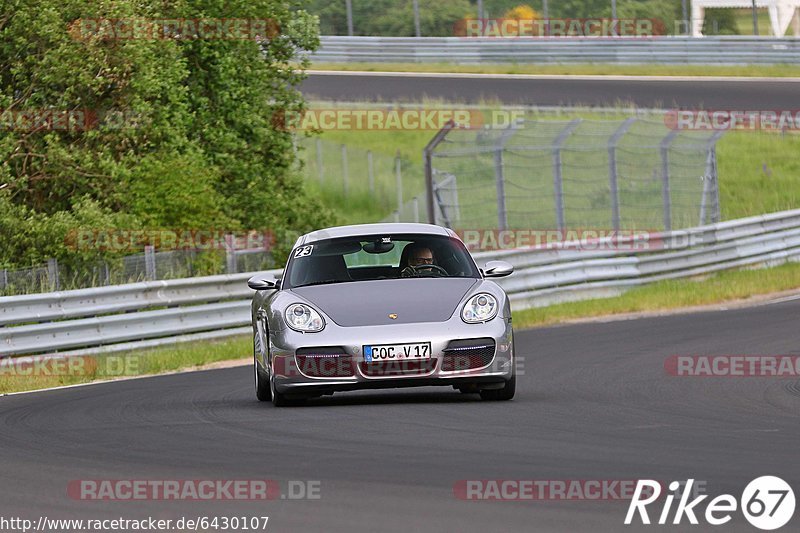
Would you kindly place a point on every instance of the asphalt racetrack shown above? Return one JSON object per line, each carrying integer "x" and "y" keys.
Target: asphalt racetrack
{"x": 664, "y": 93}
{"x": 594, "y": 402}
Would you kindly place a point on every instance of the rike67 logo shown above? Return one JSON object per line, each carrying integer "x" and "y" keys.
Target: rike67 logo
{"x": 767, "y": 503}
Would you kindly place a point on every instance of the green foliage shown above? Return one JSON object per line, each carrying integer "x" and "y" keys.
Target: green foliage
{"x": 197, "y": 149}
{"x": 720, "y": 21}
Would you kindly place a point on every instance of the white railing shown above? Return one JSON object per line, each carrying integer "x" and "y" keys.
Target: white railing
{"x": 671, "y": 50}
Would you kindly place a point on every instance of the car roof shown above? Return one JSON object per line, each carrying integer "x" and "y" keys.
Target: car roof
{"x": 359, "y": 230}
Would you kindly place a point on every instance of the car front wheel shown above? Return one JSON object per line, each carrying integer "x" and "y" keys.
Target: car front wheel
{"x": 500, "y": 395}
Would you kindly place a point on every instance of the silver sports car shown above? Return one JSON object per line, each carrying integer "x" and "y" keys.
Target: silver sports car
{"x": 381, "y": 306}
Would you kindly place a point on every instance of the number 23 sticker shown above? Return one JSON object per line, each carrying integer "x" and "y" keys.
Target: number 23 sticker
{"x": 303, "y": 251}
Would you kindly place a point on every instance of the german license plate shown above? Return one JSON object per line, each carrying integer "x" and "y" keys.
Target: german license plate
{"x": 397, "y": 352}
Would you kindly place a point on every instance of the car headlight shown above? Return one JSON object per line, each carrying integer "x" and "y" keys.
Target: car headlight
{"x": 479, "y": 308}
{"x": 301, "y": 317}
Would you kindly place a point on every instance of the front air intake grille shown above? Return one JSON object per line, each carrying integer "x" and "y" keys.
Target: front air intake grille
{"x": 467, "y": 354}
{"x": 325, "y": 362}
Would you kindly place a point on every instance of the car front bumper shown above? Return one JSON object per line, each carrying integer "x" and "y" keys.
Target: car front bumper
{"x": 301, "y": 374}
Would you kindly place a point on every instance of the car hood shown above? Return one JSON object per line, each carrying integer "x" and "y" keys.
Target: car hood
{"x": 369, "y": 303}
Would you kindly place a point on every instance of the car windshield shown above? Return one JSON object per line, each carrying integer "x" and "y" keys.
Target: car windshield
{"x": 376, "y": 257}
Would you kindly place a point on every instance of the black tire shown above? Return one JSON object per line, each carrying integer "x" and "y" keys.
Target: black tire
{"x": 501, "y": 395}
{"x": 261, "y": 377}
{"x": 278, "y": 398}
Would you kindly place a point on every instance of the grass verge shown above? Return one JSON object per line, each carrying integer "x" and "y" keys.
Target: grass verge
{"x": 151, "y": 361}
{"x": 585, "y": 69}
{"x": 668, "y": 295}
{"x": 722, "y": 287}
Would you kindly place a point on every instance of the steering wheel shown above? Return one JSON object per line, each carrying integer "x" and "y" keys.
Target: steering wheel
{"x": 414, "y": 271}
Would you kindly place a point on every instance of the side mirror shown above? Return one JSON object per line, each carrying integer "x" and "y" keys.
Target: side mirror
{"x": 258, "y": 283}
{"x": 497, "y": 269}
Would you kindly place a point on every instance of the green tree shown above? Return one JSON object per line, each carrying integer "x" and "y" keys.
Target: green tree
{"x": 198, "y": 146}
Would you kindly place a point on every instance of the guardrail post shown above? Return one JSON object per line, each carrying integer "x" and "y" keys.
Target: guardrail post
{"x": 558, "y": 182}
{"x": 150, "y": 262}
{"x": 612, "y": 171}
{"x": 665, "y": 187}
{"x": 370, "y": 172}
{"x": 398, "y": 172}
{"x": 427, "y": 155}
{"x": 52, "y": 274}
{"x": 320, "y": 164}
{"x": 345, "y": 171}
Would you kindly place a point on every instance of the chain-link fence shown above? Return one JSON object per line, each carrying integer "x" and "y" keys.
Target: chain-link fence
{"x": 429, "y": 18}
{"x": 630, "y": 173}
{"x": 376, "y": 184}
{"x": 147, "y": 266}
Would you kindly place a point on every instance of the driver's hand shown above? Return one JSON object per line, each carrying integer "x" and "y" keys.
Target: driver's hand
{"x": 408, "y": 272}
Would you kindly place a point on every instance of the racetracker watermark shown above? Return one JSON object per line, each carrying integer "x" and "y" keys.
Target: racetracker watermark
{"x": 331, "y": 365}
{"x": 192, "y": 489}
{"x": 181, "y": 29}
{"x": 545, "y": 489}
{"x": 71, "y": 120}
{"x": 733, "y": 119}
{"x": 602, "y": 28}
{"x": 134, "y": 240}
{"x": 592, "y": 239}
{"x": 733, "y": 366}
{"x": 394, "y": 119}
{"x": 77, "y": 366}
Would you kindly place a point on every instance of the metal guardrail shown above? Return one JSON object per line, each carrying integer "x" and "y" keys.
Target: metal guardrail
{"x": 140, "y": 315}
{"x": 730, "y": 50}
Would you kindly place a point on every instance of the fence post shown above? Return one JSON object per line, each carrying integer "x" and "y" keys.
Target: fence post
{"x": 149, "y": 262}
{"x": 52, "y": 274}
{"x": 3, "y": 278}
{"x": 665, "y": 187}
{"x": 320, "y": 164}
{"x": 230, "y": 254}
{"x": 499, "y": 176}
{"x": 107, "y": 273}
{"x": 427, "y": 155}
{"x": 417, "y": 30}
{"x": 612, "y": 170}
{"x": 345, "y": 171}
{"x": 415, "y": 203}
{"x": 710, "y": 184}
{"x": 348, "y": 4}
{"x": 399, "y": 181}
{"x": 396, "y": 216}
{"x": 558, "y": 182}
{"x": 370, "y": 172}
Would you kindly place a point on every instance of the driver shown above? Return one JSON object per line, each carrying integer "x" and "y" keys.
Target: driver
{"x": 420, "y": 255}
{"x": 414, "y": 255}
